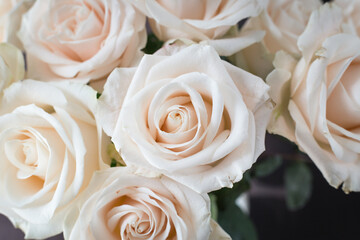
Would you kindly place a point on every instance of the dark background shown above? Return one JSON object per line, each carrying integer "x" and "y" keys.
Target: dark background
{"x": 329, "y": 214}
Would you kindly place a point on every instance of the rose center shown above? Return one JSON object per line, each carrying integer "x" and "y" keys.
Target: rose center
{"x": 30, "y": 153}
{"x": 173, "y": 121}
{"x": 343, "y": 105}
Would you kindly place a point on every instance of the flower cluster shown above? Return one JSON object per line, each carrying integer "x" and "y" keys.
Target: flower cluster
{"x": 137, "y": 159}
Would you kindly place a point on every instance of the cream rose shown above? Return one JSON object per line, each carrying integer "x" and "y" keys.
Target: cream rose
{"x": 121, "y": 205}
{"x": 318, "y": 98}
{"x": 283, "y": 21}
{"x": 12, "y": 67}
{"x": 50, "y": 146}
{"x": 5, "y": 8}
{"x": 11, "y": 12}
{"x": 190, "y": 116}
{"x": 203, "y": 20}
{"x": 81, "y": 39}
{"x": 351, "y": 10}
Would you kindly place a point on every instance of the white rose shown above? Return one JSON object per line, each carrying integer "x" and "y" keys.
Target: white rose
{"x": 351, "y": 10}
{"x": 50, "y": 145}
{"x": 208, "y": 21}
{"x": 318, "y": 98}
{"x": 122, "y": 205}
{"x": 12, "y": 66}
{"x": 11, "y": 12}
{"x": 190, "y": 116}
{"x": 5, "y": 8}
{"x": 283, "y": 21}
{"x": 81, "y": 39}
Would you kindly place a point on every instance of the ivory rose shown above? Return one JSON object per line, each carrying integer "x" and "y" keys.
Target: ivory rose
{"x": 81, "y": 39}
{"x": 12, "y": 67}
{"x": 5, "y": 8}
{"x": 318, "y": 98}
{"x": 50, "y": 145}
{"x": 190, "y": 116}
{"x": 283, "y": 21}
{"x": 351, "y": 11}
{"x": 121, "y": 205}
{"x": 203, "y": 20}
{"x": 11, "y": 12}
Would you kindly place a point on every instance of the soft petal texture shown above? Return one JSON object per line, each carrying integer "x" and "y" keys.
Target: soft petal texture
{"x": 190, "y": 116}
{"x": 10, "y": 23}
{"x": 283, "y": 21}
{"x": 317, "y": 97}
{"x": 121, "y": 205}
{"x": 351, "y": 11}
{"x": 209, "y": 21}
{"x": 6, "y": 6}
{"x": 12, "y": 66}
{"x": 50, "y": 145}
{"x": 81, "y": 39}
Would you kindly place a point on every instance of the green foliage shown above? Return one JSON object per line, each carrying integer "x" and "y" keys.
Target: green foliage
{"x": 213, "y": 207}
{"x": 230, "y": 217}
{"x": 152, "y": 45}
{"x": 237, "y": 224}
{"x": 267, "y": 166}
{"x": 116, "y": 160}
{"x": 115, "y": 163}
{"x": 298, "y": 185}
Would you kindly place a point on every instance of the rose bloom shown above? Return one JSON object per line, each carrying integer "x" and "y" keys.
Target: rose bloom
{"x": 50, "y": 146}
{"x": 351, "y": 10}
{"x": 11, "y": 12}
{"x": 121, "y": 205}
{"x": 202, "y": 20}
{"x": 190, "y": 116}
{"x": 12, "y": 66}
{"x": 284, "y": 21}
{"x": 5, "y": 8}
{"x": 318, "y": 98}
{"x": 81, "y": 39}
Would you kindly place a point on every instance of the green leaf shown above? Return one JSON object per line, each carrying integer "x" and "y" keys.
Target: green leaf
{"x": 267, "y": 166}
{"x": 237, "y": 224}
{"x": 213, "y": 206}
{"x": 152, "y": 45}
{"x": 115, "y": 157}
{"x": 298, "y": 185}
{"x": 113, "y": 163}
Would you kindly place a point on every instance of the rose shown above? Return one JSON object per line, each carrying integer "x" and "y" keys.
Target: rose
{"x": 81, "y": 39}
{"x": 351, "y": 11}
{"x": 284, "y": 21}
{"x": 122, "y": 205}
{"x": 318, "y": 100}
{"x": 207, "y": 21}
{"x": 190, "y": 116}
{"x": 12, "y": 67}
{"x": 11, "y": 12}
{"x": 50, "y": 145}
{"x": 5, "y": 8}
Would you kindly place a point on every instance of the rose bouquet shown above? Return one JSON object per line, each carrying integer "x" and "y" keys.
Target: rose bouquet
{"x": 114, "y": 129}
